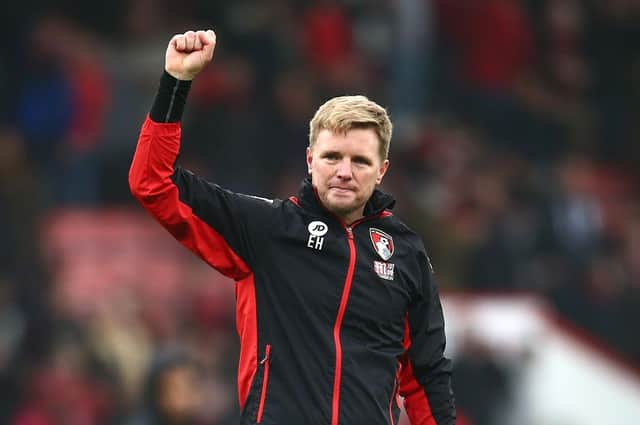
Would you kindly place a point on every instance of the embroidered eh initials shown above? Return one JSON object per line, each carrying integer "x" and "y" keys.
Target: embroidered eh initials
{"x": 315, "y": 242}
{"x": 317, "y": 230}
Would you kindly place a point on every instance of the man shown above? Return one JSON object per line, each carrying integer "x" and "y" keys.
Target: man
{"x": 334, "y": 323}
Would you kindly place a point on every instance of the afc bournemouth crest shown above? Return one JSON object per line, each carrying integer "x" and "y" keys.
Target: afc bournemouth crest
{"x": 382, "y": 243}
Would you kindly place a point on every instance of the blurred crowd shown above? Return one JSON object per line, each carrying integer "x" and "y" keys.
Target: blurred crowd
{"x": 515, "y": 155}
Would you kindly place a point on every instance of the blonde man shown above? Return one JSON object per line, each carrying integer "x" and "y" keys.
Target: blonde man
{"x": 337, "y": 309}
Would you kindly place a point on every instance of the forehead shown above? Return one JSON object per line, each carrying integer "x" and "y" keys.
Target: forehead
{"x": 360, "y": 141}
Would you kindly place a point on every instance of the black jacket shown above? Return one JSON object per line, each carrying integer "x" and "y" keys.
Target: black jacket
{"x": 334, "y": 321}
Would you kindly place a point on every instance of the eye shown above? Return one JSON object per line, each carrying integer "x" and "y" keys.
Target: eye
{"x": 331, "y": 156}
{"x": 361, "y": 161}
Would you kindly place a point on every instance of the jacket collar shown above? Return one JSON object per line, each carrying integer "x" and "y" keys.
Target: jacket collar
{"x": 308, "y": 198}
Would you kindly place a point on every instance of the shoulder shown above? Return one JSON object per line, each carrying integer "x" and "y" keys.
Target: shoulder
{"x": 260, "y": 211}
{"x": 413, "y": 241}
{"x": 259, "y": 201}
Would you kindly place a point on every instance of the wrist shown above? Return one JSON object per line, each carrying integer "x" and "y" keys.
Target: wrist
{"x": 181, "y": 76}
{"x": 170, "y": 99}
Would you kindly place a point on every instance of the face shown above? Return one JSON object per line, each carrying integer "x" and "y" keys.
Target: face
{"x": 345, "y": 169}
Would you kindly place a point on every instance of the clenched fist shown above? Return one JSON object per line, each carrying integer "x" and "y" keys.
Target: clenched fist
{"x": 188, "y": 53}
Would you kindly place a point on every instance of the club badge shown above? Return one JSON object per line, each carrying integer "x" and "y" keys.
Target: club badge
{"x": 382, "y": 243}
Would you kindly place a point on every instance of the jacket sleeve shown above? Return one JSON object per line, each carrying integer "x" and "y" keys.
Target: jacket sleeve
{"x": 425, "y": 379}
{"x": 212, "y": 222}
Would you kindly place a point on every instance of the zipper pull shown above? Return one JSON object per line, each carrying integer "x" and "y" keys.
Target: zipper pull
{"x": 266, "y": 354}
{"x": 349, "y": 232}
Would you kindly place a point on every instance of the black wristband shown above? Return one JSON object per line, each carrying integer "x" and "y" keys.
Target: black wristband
{"x": 168, "y": 105}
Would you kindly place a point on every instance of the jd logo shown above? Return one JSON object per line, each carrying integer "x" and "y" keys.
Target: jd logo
{"x": 317, "y": 229}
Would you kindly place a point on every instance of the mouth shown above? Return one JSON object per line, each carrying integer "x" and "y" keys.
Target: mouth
{"x": 341, "y": 191}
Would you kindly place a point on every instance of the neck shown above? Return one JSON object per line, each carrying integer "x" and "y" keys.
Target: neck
{"x": 350, "y": 218}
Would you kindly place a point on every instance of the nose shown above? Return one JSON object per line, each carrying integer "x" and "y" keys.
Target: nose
{"x": 344, "y": 171}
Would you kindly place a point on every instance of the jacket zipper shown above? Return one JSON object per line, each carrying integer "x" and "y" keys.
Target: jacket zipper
{"x": 336, "y": 328}
{"x": 265, "y": 381}
{"x": 335, "y": 405}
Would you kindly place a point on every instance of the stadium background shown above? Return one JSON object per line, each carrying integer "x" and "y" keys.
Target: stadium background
{"x": 515, "y": 155}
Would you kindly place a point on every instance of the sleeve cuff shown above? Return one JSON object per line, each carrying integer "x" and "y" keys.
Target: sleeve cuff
{"x": 170, "y": 99}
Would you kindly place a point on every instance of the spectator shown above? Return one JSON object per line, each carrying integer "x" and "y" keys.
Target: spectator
{"x": 171, "y": 392}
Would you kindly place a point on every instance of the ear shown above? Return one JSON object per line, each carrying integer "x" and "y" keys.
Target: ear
{"x": 309, "y": 159}
{"x": 382, "y": 171}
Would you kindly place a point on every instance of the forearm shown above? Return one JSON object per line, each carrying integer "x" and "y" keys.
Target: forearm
{"x": 426, "y": 383}
{"x": 427, "y": 392}
{"x": 434, "y": 390}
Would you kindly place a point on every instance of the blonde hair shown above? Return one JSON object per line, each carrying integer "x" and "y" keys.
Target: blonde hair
{"x": 344, "y": 113}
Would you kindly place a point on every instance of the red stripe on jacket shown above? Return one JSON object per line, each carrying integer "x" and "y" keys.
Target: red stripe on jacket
{"x": 150, "y": 183}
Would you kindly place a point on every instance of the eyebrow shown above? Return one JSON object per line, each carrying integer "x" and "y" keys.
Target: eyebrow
{"x": 327, "y": 154}
{"x": 358, "y": 158}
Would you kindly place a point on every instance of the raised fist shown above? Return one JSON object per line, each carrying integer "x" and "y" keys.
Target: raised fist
{"x": 188, "y": 53}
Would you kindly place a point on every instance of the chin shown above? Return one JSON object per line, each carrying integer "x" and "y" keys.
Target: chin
{"x": 340, "y": 202}
{"x": 341, "y": 208}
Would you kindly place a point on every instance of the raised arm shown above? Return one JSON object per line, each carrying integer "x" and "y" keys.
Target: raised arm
{"x": 212, "y": 222}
